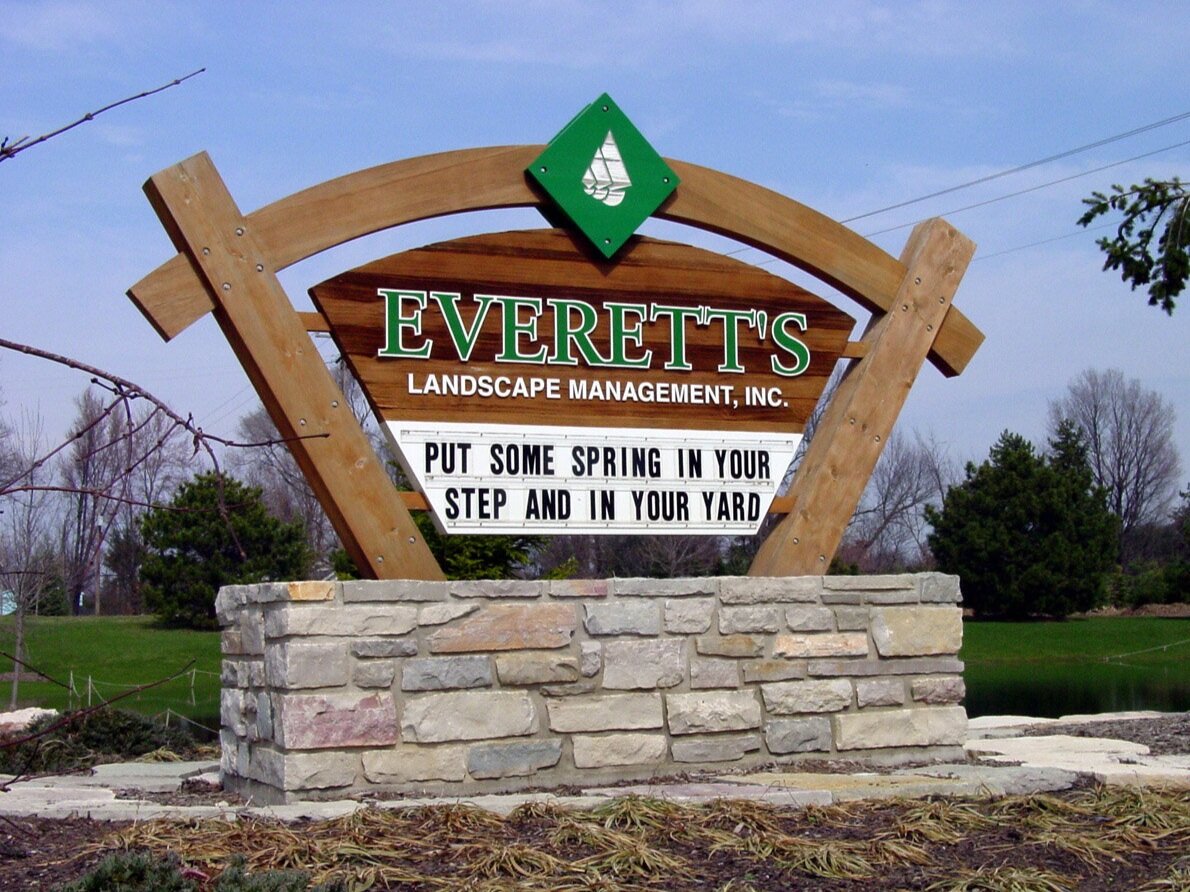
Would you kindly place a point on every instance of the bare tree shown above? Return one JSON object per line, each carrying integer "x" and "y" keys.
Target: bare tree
{"x": 26, "y": 555}
{"x": 888, "y": 530}
{"x": 1129, "y": 436}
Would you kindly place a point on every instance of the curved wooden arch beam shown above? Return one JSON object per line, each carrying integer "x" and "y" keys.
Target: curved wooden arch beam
{"x": 339, "y": 210}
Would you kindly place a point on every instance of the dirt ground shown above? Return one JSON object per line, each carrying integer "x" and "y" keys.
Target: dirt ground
{"x": 1087, "y": 839}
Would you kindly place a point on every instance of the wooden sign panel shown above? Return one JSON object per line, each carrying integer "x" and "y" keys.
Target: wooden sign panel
{"x": 530, "y": 328}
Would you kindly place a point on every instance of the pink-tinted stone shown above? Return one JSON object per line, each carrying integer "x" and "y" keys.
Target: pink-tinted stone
{"x": 322, "y": 721}
{"x": 509, "y": 627}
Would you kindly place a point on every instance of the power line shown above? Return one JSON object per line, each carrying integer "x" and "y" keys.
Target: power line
{"x": 1075, "y": 176}
{"x": 1003, "y": 173}
{"x": 1044, "y": 241}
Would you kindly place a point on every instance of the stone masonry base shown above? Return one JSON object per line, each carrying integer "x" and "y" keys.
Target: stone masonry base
{"x": 332, "y": 689}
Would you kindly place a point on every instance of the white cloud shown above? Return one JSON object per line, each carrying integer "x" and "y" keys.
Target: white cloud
{"x": 56, "y": 26}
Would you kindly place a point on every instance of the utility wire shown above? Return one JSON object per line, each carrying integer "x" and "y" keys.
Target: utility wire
{"x": 1003, "y": 173}
{"x": 1067, "y": 179}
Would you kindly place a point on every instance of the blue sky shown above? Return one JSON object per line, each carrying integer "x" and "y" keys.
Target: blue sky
{"x": 845, "y": 106}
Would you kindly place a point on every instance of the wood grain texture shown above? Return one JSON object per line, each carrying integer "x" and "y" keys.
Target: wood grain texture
{"x": 545, "y": 264}
{"x": 860, "y": 416}
{"x": 318, "y": 218}
{"x": 287, "y": 371}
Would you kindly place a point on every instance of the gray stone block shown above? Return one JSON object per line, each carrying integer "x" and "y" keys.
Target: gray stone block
{"x": 406, "y": 590}
{"x": 650, "y": 663}
{"x": 498, "y": 588}
{"x": 439, "y": 614}
{"x": 763, "y": 590}
{"x": 446, "y": 673}
{"x": 302, "y": 771}
{"x": 939, "y": 588}
{"x": 579, "y": 588}
{"x": 708, "y": 712}
{"x": 859, "y": 668}
{"x": 385, "y": 647}
{"x": 512, "y": 759}
{"x": 798, "y": 735}
{"x": 750, "y": 619}
{"x": 374, "y": 674}
{"x": 307, "y": 664}
{"x": 590, "y": 658}
{"x": 796, "y": 697}
{"x": 714, "y": 749}
{"x": 622, "y": 617}
{"x": 689, "y": 616}
{"x": 318, "y": 619}
{"x": 665, "y": 588}
{"x": 880, "y": 692}
{"x": 851, "y": 619}
{"x": 712, "y": 672}
{"x": 810, "y": 619}
{"x": 945, "y": 689}
{"x": 876, "y": 583}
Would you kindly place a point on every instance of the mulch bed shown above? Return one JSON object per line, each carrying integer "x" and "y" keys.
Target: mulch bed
{"x": 1088, "y": 839}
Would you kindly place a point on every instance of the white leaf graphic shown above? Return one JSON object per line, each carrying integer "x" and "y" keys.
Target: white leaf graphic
{"x": 607, "y": 178}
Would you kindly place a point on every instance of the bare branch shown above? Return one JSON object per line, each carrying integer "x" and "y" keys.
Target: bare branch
{"x": 10, "y": 150}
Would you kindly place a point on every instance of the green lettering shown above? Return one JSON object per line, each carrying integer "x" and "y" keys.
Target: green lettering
{"x": 794, "y": 346}
{"x": 464, "y": 339}
{"x": 580, "y": 334}
{"x": 515, "y": 329}
{"x": 731, "y": 342}
{"x": 395, "y": 323}
{"x": 624, "y": 334}
{"x": 677, "y": 333}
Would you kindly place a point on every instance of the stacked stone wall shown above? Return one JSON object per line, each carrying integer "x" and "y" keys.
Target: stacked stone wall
{"x": 338, "y": 688}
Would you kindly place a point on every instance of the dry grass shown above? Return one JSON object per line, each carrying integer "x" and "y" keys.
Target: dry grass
{"x": 635, "y": 843}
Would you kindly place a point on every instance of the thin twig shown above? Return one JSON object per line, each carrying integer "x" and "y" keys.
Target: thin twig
{"x": 10, "y": 150}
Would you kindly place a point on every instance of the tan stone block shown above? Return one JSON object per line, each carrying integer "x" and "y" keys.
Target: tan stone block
{"x": 312, "y": 591}
{"x": 827, "y": 644}
{"x": 468, "y": 715}
{"x": 707, "y": 712}
{"x": 403, "y": 764}
{"x": 796, "y": 697}
{"x": 877, "y": 729}
{"x": 729, "y": 646}
{"x": 917, "y": 631}
{"x": 618, "y": 749}
{"x": 509, "y": 627}
{"x": 536, "y": 668}
{"x": 609, "y": 712}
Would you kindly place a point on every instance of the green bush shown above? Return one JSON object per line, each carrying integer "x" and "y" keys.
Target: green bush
{"x": 215, "y": 532}
{"x": 105, "y": 735}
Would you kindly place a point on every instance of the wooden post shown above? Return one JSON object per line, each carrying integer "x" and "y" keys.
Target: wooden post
{"x": 860, "y": 416}
{"x": 299, "y": 394}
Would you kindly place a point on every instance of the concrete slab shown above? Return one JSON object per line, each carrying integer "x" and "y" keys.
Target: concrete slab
{"x": 736, "y": 788}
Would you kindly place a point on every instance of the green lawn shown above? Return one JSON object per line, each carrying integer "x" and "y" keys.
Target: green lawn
{"x": 116, "y": 653}
{"x": 1078, "y": 666}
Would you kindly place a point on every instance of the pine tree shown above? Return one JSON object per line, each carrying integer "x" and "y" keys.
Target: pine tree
{"x": 1027, "y": 534}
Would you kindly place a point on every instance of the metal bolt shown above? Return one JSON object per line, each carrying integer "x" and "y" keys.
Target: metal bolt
{"x": 239, "y": 230}
{"x": 796, "y": 540}
{"x": 334, "y": 404}
{"x": 412, "y": 540}
{"x": 917, "y": 281}
{"x": 380, "y": 559}
{"x": 260, "y": 267}
{"x": 904, "y": 307}
{"x": 302, "y": 422}
{"x": 206, "y": 251}
{"x": 227, "y": 286}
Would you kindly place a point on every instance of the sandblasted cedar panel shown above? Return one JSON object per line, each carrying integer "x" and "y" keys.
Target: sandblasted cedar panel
{"x": 508, "y": 627}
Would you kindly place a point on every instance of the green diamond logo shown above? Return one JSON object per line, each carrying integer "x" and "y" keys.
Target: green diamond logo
{"x": 603, "y": 175}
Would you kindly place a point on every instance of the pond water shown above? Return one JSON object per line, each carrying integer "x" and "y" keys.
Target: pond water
{"x": 1055, "y": 689}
